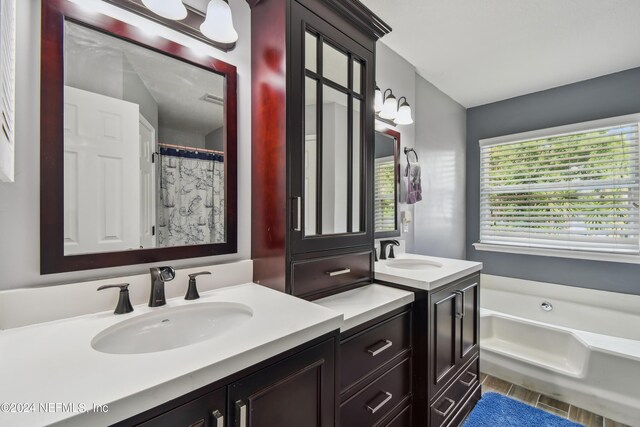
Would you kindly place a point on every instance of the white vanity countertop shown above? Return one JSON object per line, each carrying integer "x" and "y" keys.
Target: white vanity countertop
{"x": 54, "y": 362}
{"x": 366, "y": 303}
{"x": 443, "y": 271}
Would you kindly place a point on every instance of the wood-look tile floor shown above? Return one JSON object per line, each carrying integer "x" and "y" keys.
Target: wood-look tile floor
{"x": 546, "y": 403}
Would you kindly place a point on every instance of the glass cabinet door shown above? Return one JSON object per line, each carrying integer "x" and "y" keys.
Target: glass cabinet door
{"x": 333, "y": 144}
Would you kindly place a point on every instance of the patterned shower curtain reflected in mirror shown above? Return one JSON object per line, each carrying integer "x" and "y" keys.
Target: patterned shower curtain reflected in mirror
{"x": 191, "y": 206}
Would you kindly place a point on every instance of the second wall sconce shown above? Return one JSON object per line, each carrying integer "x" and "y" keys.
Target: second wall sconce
{"x": 389, "y": 109}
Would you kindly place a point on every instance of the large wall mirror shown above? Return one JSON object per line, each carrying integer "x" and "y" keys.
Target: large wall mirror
{"x": 386, "y": 188}
{"x": 138, "y": 146}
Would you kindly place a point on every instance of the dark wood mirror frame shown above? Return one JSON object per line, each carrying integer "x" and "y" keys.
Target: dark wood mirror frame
{"x": 52, "y": 258}
{"x": 396, "y": 155}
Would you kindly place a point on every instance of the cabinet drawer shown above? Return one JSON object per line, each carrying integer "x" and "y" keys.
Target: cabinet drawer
{"x": 455, "y": 395}
{"x": 403, "y": 419}
{"x": 372, "y": 348}
{"x": 373, "y": 403}
{"x": 321, "y": 274}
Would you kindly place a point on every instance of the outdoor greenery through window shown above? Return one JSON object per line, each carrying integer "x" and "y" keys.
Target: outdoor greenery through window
{"x": 575, "y": 190}
{"x": 385, "y": 215}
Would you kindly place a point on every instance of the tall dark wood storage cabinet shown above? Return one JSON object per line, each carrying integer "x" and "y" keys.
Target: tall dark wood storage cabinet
{"x": 313, "y": 84}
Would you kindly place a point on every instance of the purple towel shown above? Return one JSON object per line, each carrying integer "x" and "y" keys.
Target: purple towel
{"x": 414, "y": 184}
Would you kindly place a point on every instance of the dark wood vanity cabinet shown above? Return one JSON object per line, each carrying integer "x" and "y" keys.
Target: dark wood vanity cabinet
{"x": 454, "y": 330}
{"x": 376, "y": 372}
{"x": 206, "y": 411}
{"x": 299, "y": 391}
{"x": 294, "y": 389}
{"x": 313, "y": 73}
{"x": 445, "y": 348}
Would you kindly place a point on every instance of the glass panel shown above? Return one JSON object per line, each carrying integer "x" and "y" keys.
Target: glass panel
{"x": 334, "y": 64}
{"x": 310, "y": 157}
{"x": 357, "y": 161}
{"x": 334, "y": 161}
{"x": 357, "y": 76}
{"x": 310, "y": 51}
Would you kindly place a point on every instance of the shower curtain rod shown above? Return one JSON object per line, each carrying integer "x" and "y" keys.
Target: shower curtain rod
{"x": 199, "y": 150}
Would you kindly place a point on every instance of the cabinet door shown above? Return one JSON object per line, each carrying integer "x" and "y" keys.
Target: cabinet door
{"x": 206, "y": 411}
{"x": 331, "y": 136}
{"x": 469, "y": 292}
{"x": 454, "y": 330}
{"x": 298, "y": 391}
{"x": 444, "y": 343}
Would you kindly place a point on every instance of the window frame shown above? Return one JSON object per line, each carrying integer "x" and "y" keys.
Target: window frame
{"x": 548, "y": 133}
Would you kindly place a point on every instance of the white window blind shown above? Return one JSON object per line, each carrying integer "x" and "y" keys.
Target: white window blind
{"x": 385, "y": 214}
{"x": 575, "y": 190}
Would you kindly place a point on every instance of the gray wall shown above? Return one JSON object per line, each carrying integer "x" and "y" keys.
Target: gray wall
{"x": 607, "y": 96}
{"x": 19, "y": 201}
{"x": 134, "y": 90}
{"x": 441, "y": 145}
{"x": 215, "y": 140}
{"x": 438, "y": 135}
{"x": 395, "y": 72}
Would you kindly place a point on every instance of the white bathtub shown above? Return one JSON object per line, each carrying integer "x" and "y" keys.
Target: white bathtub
{"x": 585, "y": 351}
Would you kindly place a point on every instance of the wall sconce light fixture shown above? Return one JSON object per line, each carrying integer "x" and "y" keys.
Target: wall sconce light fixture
{"x": 390, "y": 110}
{"x": 170, "y": 9}
{"x": 217, "y": 25}
{"x": 404, "y": 113}
{"x": 390, "y": 107}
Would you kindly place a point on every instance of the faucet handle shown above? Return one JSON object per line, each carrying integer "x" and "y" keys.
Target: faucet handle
{"x": 192, "y": 291}
{"x": 200, "y": 273}
{"x": 124, "y": 303}
{"x": 167, "y": 274}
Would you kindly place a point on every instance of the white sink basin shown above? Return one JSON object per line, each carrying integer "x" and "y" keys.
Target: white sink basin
{"x": 413, "y": 264}
{"x": 169, "y": 328}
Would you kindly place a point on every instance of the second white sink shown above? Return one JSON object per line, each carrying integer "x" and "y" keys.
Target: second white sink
{"x": 168, "y": 328}
{"x": 413, "y": 264}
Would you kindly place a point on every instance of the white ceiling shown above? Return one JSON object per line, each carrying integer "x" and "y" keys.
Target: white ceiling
{"x": 481, "y": 51}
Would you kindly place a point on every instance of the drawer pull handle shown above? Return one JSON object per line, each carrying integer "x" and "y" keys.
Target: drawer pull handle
{"x": 218, "y": 418}
{"x": 242, "y": 409}
{"x": 387, "y": 397}
{"x": 446, "y": 411}
{"x": 376, "y": 351}
{"x": 339, "y": 272}
{"x": 473, "y": 378}
{"x": 198, "y": 424}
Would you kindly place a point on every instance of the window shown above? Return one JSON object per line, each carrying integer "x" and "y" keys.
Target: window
{"x": 385, "y": 209}
{"x": 573, "y": 188}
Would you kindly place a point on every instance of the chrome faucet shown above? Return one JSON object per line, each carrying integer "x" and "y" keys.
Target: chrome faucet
{"x": 159, "y": 275}
{"x": 383, "y": 248}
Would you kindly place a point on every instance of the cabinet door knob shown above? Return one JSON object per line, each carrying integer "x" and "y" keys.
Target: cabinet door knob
{"x": 387, "y": 397}
{"x": 374, "y": 351}
{"x": 242, "y": 409}
{"x": 218, "y": 418}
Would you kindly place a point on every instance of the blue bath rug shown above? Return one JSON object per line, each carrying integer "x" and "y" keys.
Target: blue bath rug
{"x": 496, "y": 410}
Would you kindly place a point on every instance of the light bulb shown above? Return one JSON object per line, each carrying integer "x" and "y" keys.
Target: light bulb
{"x": 170, "y": 9}
{"x": 379, "y": 102}
{"x": 390, "y": 107}
{"x": 218, "y": 25}
{"x": 404, "y": 113}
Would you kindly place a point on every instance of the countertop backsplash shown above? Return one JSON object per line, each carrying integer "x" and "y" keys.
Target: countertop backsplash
{"x": 28, "y": 306}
